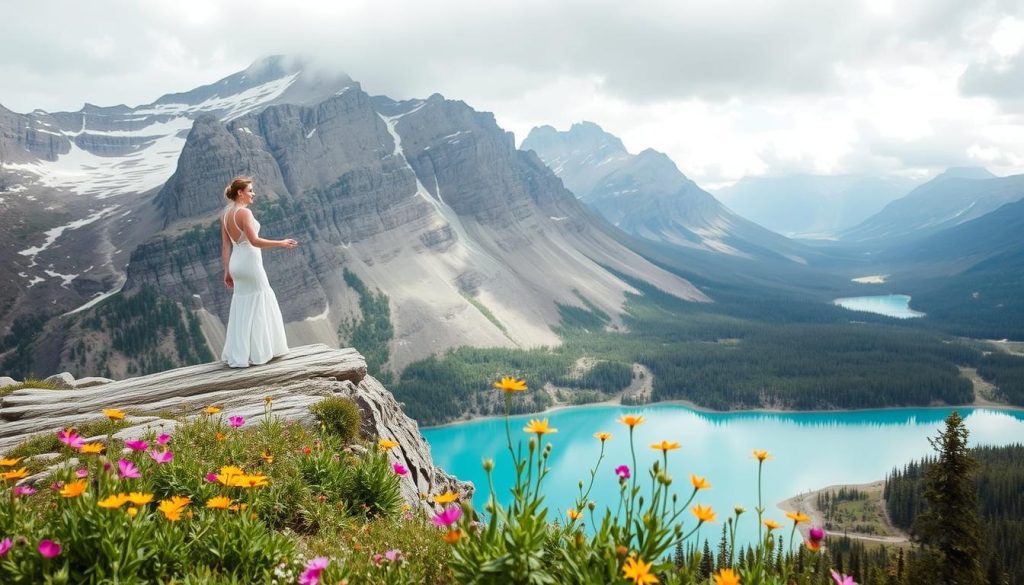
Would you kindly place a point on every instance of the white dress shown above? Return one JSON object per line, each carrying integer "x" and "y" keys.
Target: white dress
{"x": 255, "y": 332}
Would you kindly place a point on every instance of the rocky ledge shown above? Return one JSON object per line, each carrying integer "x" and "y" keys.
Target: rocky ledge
{"x": 295, "y": 382}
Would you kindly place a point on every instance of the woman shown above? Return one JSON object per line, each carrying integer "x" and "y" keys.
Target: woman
{"x": 255, "y": 332}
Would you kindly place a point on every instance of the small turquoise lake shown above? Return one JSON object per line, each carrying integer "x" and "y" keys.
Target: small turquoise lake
{"x": 808, "y": 450}
{"x": 897, "y": 306}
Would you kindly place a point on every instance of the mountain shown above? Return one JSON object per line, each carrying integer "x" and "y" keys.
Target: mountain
{"x": 420, "y": 214}
{"x": 812, "y": 206}
{"x": 647, "y": 196}
{"x": 950, "y": 199}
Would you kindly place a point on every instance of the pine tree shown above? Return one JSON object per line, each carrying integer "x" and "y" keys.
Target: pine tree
{"x": 707, "y": 562}
{"x": 723, "y": 551}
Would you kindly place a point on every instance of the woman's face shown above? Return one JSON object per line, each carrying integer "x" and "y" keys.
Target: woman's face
{"x": 245, "y": 196}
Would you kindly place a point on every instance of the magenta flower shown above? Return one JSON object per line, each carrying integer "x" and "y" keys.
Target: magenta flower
{"x": 842, "y": 579}
{"x": 311, "y": 576}
{"x": 816, "y": 534}
{"x": 163, "y": 439}
{"x": 450, "y": 516}
{"x": 622, "y": 471}
{"x": 24, "y": 490}
{"x": 236, "y": 421}
{"x": 57, "y": 486}
{"x": 5, "y": 545}
{"x": 399, "y": 468}
{"x": 161, "y": 457}
{"x": 48, "y": 548}
{"x": 80, "y": 473}
{"x": 137, "y": 445}
{"x": 70, "y": 438}
{"x": 128, "y": 469}
{"x": 211, "y": 477}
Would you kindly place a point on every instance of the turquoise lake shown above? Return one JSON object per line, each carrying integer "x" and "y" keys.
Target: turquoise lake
{"x": 808, "y": 451}
{"x": 889, "y": 305}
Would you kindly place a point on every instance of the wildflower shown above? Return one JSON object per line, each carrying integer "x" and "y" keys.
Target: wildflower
{"x": 631, "y": 420}
{"x": 91, "y": 448}
{"x": 842, "y": 579}
{"x": 250, "y": 481}
{"x": 399, "y": 469}
{"x": 700, "y": 483}
{"x": 306, "y": 450}
{"x": 113, "y": 501}
{"x": 488, "y": 464}
{"x": 74, "y": 489}
{"x": 211, "y": 477}
{"x": 81, "y": 473}
{"x": 574, "y": 515}
{"x": 5, "y": 545}
{"x": 703, "y": 513}
{"x": 814, "y": 545}
{"x": 665, "y": 446}
{"x": 311, "y": 575}
{"x": 445, "y": 498}
{"x": 132, "y": 511}
{"x": 267, "y": 457}
{"x": 219, "y": 436}
{"x": 816, "y": 534}
{"x": 726, "y": 577}
{"x": 24, "y": 490}
{"x": 70, "y": 438}
{"x": 450, "y": 516}
{"x": 622, "y": 471}
{"x": 227, "y": 473}
{"x": 510, "y": 385}
{"x": 638, "y": 571}
{"x": 772, "y": 524}
{"x": 5, "y": 462}
{"x": 236, "y": 421}
{"x": 211, "y": 410}
{"x": 238, "y": 507}
{"x": 452, "y": 536}
{"x": 163, "y": 439}
{"x": 127, "y": 469}
{"x": 797, "y": 517}
{"x": 268, "y": 399}
{"x": 540, "y": 427}
{"x": 113, "y": 413}
{"x": 139, "y": 498}
{"x": 218, "y": 503}
{"x": 16, "y": 474}
{"x": 136, "y": 445}
{"x": 394, "y": 555}
{"x": 48, "y": 548}
{"x": 387, "y": 444}
{"x": 161, "y": 457}
{"x": 760, "y": 455}
{"x": 173, "y": 507}
{"x": 602, "y": 436}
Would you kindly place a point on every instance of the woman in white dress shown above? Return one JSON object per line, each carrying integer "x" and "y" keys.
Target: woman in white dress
{"x": 255, "y": 332}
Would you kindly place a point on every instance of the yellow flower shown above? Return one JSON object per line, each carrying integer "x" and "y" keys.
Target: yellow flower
{"x": 139, "y": 498}
{"x": 603, "y": 436}
{"x": 114, "y": 501}
{"x": 132, "y": 511}
{"x": 703, "y": 513}
{"x": 173, "y": 507}
{"x": 16, "y": 474}
{"x": 797, "y": 517}
{"x": 699, "y": 483}
{"x": 760, "y": 455}
{"x": 631, "y": 420}
{"x": 249, "y": 481}
{"x": 211, "y": 410}
{"x": 219, "y": 436}
{"x": 509, "y": 385}
{"x": 218, "y": 503}
{"x": 446, "y": 498}
{"x": 238, "y": 507}
{"x": 574, "y": 515}
{"x": 74, "y": 489}
{"x": 452, "y": 536}
{"x": 665, "y": 446}
{"x": 726, "y": 577}
{"x": 91, "y": 448}
{"x": 268, "y": 399}
{"x": 387, "y": 444}
{"x": 9, "y": 462}
{"x": 266, "y": 456}
{"x": 540, "y": 427}
{"x": 772, "y": 525}
{"x": 228, "y": 473}
{"x": 638, "y": 571}
{"x": 113, "y": 413}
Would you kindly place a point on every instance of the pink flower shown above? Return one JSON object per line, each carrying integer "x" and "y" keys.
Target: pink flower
{"x": 399, "y": 468}
{"x": 48, "y": 548}
{"x": 450, "y": 516}
{"x": 236, "y": 421}
{"x": 622, "y": 471}
{"x": 161, "y": 457}
{"x": 5, "y": 545}
{"x": 80, "y": 473}
{"x": 311, "y": 576}
{"x": 816, "y": 534}
{"x": 211, "y": 477}
{"x": 137, "y": 445}
{"x": 128, "y": 469}
{"x": 377, "y": 559}
{"x": 57, "y": 486}
{"x": 24, "y": 490}
{"x": 393, "y": 555}
{"x": 842, "y": 579}
{"x": 70, "y": 438}
{"x": 163, "y": 439}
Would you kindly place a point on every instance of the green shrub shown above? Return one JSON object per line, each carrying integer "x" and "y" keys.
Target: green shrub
{"x": 339, "y": 416}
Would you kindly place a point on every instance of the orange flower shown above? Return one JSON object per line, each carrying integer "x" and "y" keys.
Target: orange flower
{"x": 218, "y": 503}
{"x": 540, "y": 427}
{"x": 631, "y": 420}
{"x": 91, "y": 448}
{"x": 266, "y": 456}
{"x": 238, "y": 507}
{"x": 74, "y": 489}
{"x": 509, "y": 385}
{"x": 760, "y": 455}
{"x": 665, "y": 446}
{"x": 452, "y": 536}
{"x": 638, "y": 571}
{"x": 113, "y": 413}
{"x": 173, "y": 507}
{"x": 445, "y": 498}
{"x": 574, "y": 515}
{"x": 9, "y": 462}
{"x": 132, "y": 511}
{"x": 772, "y": 525}
{"x": 139, "y": 498}
{"x": 797, "y": 517}
{"x": 114, "y": 501}
{"x": 219, "y": 436}
{"x": 603, "y": 436}
{"x": 813, "y": 545}
{"x": 703, "y": 513}
{"x": 16, "y": 474}
{"x": 211, "y": 410}
{"x": 228, "y": 473}
{"x": 699, "y": 483}
{"x": 726, "y": 577}
{"x": 250, "y": 481}
{"x": 387, "y": 444}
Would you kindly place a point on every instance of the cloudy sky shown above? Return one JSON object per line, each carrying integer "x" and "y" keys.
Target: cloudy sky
{"x": 727, "y": 88}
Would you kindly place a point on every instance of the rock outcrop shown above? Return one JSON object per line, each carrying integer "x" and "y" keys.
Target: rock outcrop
{"x": 295, "y": 381}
